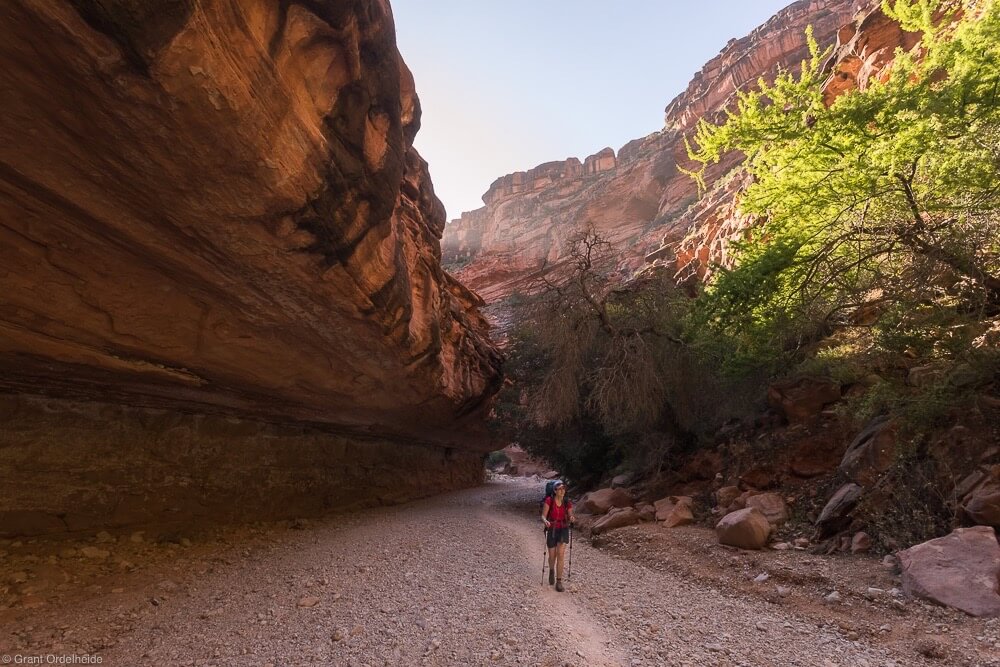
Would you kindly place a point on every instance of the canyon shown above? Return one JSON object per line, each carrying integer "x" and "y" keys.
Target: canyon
{"x": 222, "y": 294}
{"x": 637, "y": 198}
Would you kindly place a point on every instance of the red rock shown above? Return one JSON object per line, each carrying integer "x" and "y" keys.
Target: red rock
{"x": 801, "y": 399}
{"x": 871, "y": 453}
{"x": 745, "y": 528}
{"x": 625, "y": 516}
{"x": 638, "y": 198}
{"x": 675, "y": 511}
{"x": 960, "y": 570}
{"x": 760, "y": 478}
{"x": 215, "y": 208}
{"x": 836, "y": 513}
{"x": 771, "y": 505}
{"x": 726, "y": 496}
{"x": 602, "y": 500}
{"x": 646, "y": 512}
{"x": 860, "y": 543}
{"x": 983, "y": 506}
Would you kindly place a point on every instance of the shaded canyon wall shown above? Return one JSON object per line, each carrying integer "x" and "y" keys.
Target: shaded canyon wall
{"x": 219, "y": 249}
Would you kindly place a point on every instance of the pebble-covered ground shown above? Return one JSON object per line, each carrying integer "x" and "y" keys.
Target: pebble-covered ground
{"x": 452, "y": 580}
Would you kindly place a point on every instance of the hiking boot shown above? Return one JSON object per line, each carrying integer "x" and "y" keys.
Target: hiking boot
{"x": 552, "y": 577}
{"x": 559, "y": 586}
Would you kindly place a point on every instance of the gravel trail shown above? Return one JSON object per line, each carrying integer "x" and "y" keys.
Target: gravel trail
{"x": 452, "y": 580}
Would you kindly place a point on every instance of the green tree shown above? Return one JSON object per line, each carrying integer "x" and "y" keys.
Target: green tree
{"x": 888, "y": 195}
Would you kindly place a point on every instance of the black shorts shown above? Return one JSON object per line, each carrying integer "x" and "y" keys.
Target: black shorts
{"x": 554, "y": 536}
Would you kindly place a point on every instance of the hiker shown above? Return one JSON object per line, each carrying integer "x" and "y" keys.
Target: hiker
{"x": 557, "y": 515}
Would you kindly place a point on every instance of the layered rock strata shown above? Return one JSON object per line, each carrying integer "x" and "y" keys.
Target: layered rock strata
{"x": 638, "y": 196}
{"x": 214, "y": 208}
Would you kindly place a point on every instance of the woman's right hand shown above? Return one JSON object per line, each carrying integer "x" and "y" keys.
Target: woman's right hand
{"x": 547, "y": 523}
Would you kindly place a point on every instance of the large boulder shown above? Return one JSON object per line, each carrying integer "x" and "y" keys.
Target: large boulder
{"x": 771, "y": 505}
{"x": 960, "y": 570}
{"x": 619, "y": 518}
{"x": 871, "y": 452}
{"x": 674, "y": 511}
{"x": 803, "y": 398}
{"x": 602, "y": 500}
{"x": 746, "y": 528}
{"x": 836, "y": 513}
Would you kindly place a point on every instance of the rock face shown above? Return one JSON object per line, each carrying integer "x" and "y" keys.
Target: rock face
{"x": 636, "y": 197}
{"x": 215, "y": 208}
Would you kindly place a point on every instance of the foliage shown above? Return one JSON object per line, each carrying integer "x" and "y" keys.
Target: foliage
{"x": 497, "y": 458}
{"x": 887, "y": 197}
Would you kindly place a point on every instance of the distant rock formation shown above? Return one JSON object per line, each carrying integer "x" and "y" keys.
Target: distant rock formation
{"x": 215, "y": 208}
{"x": 637, "y": 197}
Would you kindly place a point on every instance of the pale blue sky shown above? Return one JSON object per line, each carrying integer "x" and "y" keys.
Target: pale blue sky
{"x": 508, "y": 85}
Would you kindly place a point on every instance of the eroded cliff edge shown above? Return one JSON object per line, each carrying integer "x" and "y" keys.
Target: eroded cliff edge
{"x": 219, "y": 247}
{"x": 637, "y": 197}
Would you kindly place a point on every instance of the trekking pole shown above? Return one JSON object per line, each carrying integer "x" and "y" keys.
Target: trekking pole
{"x": 569, "y": 572}
{"x": 545, "y": 553}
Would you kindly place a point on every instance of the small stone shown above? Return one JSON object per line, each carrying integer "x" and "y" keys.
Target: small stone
{"x": 185, "y": 542}
{"x": 104, "y": 537}
{"x": 801, "y": 542}
{"x": 871, "y": 592}
{"x": 784, "y": 591}
{"x": 357, "y": 630}
{"x": 781, "y": 546}
{"x": 338, "y": 635}
{"x": 762, "y": 577}
{"x": 309, "y": 601}
{"x": 168, "y": 586}
{"x": 137, "y": 537}
{"x": 117, "y": 591}
{"x": 832, "y": 598}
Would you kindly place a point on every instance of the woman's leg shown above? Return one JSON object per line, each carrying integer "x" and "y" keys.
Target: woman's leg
{"x": 560, "y": 559}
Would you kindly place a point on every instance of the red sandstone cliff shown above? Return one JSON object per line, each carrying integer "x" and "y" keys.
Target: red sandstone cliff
{"x": 638, "y": 196}
{"x": 217, "y": 205}
{"x": 217, "y": 242}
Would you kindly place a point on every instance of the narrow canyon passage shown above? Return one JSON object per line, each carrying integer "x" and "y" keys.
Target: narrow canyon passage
{"x": 452, "y": 580}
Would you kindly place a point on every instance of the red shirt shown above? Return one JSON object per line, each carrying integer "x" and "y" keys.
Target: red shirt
{"x": 558, "y": 514}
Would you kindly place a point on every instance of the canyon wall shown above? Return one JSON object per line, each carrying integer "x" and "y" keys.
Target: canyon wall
{"x": 637, "y": 198}
{"x": 219, "y": 249}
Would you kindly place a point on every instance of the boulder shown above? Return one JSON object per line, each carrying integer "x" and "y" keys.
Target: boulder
{"x": 802, "y": 398}
{"x": 771, "y": 505}
{"x": 620, "y": 518}
{"x": 871, "y": 452}
{"x": 674, "y": 511}
{"x": 983, "y": 506}
{"x": 960, "y": 570}
{"x": 836, "y": 513}
{"x": 746, "y": 528}
{"x": 619, "y": 481}
{"x": 646, "y": 512}
{"x": 602, "y": 500}
{"x": 725, "y": 496}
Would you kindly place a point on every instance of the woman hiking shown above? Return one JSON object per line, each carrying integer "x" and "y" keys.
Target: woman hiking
{"x": 557, "y": 515}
